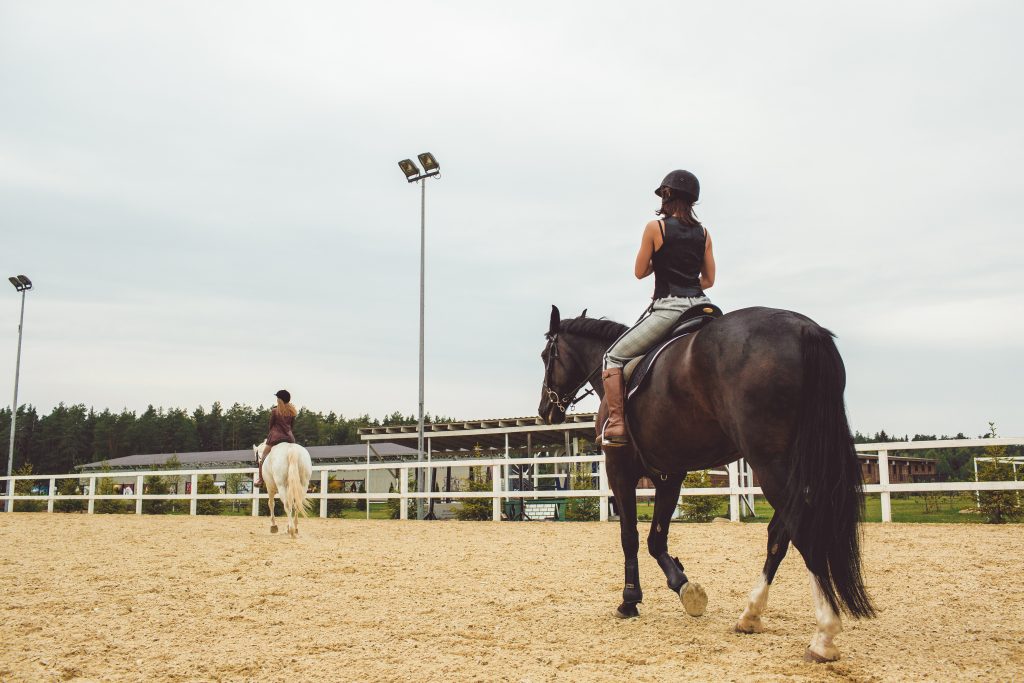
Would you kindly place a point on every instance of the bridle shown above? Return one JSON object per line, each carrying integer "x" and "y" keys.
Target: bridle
{"x": 570, "y": 399}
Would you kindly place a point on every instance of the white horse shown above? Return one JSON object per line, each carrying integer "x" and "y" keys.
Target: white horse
{"x": 286, "y": 469}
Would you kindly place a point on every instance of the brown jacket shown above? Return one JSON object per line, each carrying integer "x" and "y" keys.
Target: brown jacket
{"x": 280, "y": 428}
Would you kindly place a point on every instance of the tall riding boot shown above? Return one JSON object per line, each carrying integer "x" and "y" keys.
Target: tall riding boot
{"x": 615, "y": 424}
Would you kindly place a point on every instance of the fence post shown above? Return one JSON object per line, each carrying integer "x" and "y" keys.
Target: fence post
{"x": 92, "y": 495}
{"x": 734, "y": 496}
{"x": 138, "y": 495}
{"x": 49, "y": 498}
{"x": 323, "y": 494}
{"x": 883, "y": 481}
{"x": 496, "y": 490}
{"x": 195, "y": 490}
{"x": 602, "y": 481}
{"x": 403, "y": 488}
{"x": 10, "y": 494}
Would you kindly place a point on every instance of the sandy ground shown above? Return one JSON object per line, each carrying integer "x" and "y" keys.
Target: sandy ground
{"x": 217, "y": 598}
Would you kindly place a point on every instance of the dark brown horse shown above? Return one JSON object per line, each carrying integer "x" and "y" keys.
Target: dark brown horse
{"x": 758, "y": 383}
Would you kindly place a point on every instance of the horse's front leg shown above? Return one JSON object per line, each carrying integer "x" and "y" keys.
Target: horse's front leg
{"x": 666, "y": 497}
{"x": 623, "y": 477}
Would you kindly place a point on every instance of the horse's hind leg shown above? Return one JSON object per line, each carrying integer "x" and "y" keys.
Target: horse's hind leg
{"x": 270, "y": 504}
{"x": 778, "y": 544}
{"x": 666, "y": 496}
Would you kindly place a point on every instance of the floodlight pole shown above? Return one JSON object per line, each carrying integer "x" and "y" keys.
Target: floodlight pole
{"x": 423, "y": 261}
{"x": 14, "y": 403}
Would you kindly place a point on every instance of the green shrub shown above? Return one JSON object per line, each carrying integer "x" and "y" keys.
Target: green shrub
{"x": 105, "y": 487}
{"x": 205, "y": 485}
{"x": 156, "y": 485}
{"x": 582, "y": 509}
{"x": 475, "y": 509}
{"x": 699, "y": 508}
{"x": 23, "y": 487}
{"x": 998, "y": 507}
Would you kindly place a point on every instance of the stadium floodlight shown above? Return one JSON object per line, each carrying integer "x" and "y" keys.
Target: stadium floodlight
{"x": 410, "y": 169}
{"x": 413, "y": 174}
{"x": 429, "y": 163}
{"x": 22, "y": 284}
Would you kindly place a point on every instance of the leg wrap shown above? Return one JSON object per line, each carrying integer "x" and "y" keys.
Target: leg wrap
{"x": 673, "y": 569}
{"x": 632, "y": 593}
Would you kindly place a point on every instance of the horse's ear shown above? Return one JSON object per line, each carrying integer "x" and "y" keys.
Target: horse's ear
{"x": 584, "y": 313}
{"x": 556, "y": 319}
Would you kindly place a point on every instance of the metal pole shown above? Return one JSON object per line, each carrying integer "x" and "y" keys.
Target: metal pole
{"x": 14, "y": 403}
{"x": 423, "y": 248}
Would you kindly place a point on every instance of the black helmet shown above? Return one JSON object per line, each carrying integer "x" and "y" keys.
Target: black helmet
{"x": 683, "y": 182}
{"x": 284, "y": 396}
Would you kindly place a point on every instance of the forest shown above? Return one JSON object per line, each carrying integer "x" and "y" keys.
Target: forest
{"x": 74, "y": 435}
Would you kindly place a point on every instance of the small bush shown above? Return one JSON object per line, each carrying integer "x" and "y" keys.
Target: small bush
{"x": 205, "y": 485}
{"x": 699, "y": 508}
{"x": 475, "y": 509}
{"x": 582, "y": 509}
{"x": 23, "y": 487}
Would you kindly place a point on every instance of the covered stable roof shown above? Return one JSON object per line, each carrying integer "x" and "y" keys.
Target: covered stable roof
{"x": 452, "y": 438}
{"x": 243, "y": 458}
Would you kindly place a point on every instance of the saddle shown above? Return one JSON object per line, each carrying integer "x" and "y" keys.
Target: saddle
{"x": 637, "y": 370}
{"x": 693, "y": 319}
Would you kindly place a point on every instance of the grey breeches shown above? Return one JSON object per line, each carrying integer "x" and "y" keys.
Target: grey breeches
{"x": 639, "y": 339}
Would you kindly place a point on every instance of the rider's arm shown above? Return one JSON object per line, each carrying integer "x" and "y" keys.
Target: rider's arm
{"x": 707, "y": 271}
{"x": 648, "y": 246}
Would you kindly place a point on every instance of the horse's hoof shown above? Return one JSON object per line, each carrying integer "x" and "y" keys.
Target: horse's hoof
{"x": 749, "y": 625}
{"x": 694, "y": 598}
{"x": 273, "y": 528}
{"x": 626, "y": 611}
{"x": 813, "y": 657}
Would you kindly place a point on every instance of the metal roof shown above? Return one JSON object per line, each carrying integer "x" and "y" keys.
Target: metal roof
{"x": 241, "y": 458}
{"x": 489, "y": 435}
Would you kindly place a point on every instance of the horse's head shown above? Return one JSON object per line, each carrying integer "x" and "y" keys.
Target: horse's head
{"x": 566, "y": 371}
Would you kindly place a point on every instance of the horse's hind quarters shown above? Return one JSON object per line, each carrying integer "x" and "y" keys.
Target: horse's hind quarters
{"x": 694, "y": 598}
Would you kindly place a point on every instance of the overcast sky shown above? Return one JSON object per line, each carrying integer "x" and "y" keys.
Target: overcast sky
{"x": 207, "y": 197}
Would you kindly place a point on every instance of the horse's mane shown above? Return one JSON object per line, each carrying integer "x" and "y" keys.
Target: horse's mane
{"x": 595, "y": 328}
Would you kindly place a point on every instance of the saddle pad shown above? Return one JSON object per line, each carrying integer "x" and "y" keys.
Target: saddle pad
{"x": 638, "y": 370}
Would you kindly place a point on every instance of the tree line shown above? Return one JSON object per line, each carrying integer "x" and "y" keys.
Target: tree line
{"x": 73, "y": 435}
{"x": 951, "y": 464}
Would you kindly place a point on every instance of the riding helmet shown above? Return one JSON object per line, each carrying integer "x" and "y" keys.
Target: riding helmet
{"x": 683, "y": 182}
{"x": 284, "y": 396}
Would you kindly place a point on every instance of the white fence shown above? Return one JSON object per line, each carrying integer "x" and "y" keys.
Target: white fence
{"x": 498, "y": 493}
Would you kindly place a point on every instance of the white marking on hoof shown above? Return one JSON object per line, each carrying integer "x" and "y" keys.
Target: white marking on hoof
{"x": 273, "y": 529}
{"x": 694, "y": 598}
{"x": 749, "y": 625}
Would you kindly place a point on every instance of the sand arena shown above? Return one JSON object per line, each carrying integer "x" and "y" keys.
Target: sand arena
{"x": 120, "y": 597}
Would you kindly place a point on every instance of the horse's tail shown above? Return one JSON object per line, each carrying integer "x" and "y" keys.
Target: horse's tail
{"x": 824, "y": 498}
{"x": 296, "y": 491}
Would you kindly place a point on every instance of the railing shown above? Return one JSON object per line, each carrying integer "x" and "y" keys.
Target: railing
{"x": 497, "y": 493}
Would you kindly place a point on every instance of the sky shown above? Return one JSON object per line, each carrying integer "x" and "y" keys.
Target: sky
{"x": 207, "y": 198}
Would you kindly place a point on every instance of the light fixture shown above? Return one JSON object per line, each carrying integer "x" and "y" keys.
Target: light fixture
{"x": 410, "y": 169}
{"x": 429, "y": 163}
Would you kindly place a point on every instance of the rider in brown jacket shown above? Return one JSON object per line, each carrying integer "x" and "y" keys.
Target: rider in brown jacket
{"x": 282, "y": 417}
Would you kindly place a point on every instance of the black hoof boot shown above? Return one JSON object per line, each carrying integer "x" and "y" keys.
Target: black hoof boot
{"x": 673, "y": 569}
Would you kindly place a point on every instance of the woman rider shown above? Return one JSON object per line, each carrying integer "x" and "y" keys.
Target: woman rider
{"x": 677, "y": 250}
{"x": 282, "y": 416}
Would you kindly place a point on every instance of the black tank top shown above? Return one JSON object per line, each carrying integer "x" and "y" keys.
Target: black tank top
{"x": 677, "y": 264}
